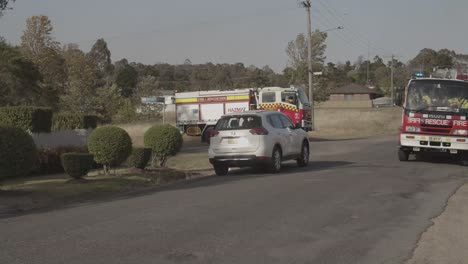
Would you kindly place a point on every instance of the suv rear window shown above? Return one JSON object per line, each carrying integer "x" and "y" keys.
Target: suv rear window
{"x": 239, "y": 122}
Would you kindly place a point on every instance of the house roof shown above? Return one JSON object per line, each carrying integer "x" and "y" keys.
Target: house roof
{"x": 353, "y": 89}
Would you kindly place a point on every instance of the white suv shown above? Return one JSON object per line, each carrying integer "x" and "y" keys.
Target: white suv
{"x": 257, "y": 138}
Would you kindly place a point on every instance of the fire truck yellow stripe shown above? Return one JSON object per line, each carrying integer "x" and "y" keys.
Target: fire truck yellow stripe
{"x": 237, "y": 97}
{"x": 186, "y": 100}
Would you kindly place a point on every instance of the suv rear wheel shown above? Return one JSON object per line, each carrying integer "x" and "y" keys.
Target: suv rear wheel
{"x": 303, "y": 160}
{"x": 276, "y": 159}
{"x": 221, "y": 169}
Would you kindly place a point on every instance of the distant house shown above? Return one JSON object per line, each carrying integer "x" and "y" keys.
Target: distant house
{"x": 351, "y": 96}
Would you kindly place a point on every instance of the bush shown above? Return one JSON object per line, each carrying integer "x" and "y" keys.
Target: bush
{"x": 49, "y": 159}
{"x": 139, "y": 157}
{"x": 77, "y": 165}
{"x": 164, "y": 141}
{"x": 33, "y": 119}
{"x": 18, "y": 152}
{"x": 110, "y": 146}
{"x": 70, "y": 121}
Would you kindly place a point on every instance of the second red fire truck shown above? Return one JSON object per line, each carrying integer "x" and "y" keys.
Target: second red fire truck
{"x": 198, "y": 112}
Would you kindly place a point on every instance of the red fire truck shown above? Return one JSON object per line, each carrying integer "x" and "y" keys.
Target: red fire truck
{"x": 198, "y": 112}
{"x": 435, "y": 118}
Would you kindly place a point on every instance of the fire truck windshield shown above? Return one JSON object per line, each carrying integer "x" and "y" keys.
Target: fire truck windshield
{"x": 437, "y": 95}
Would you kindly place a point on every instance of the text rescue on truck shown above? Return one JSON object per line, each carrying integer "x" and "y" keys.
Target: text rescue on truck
{"x": 435, "y": 118}
{"x": 198, "y": 112}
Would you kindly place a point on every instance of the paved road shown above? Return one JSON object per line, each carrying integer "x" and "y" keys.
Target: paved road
{"x": 355, "y": 203}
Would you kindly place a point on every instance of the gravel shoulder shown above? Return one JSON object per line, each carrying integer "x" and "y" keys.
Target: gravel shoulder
{"x": 446, "y": 241}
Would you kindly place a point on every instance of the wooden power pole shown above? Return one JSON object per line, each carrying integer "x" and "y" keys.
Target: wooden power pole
{"x": 307, "y": 6}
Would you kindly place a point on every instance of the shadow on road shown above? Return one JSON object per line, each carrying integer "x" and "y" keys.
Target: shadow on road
{"x": 246, "y": 174}
{"x": 437, "y": 158}
{"x": 235, "y": 175}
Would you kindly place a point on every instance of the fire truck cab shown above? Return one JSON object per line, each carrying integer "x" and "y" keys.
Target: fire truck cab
{"x": 434, "y": 119}
{"x": 291, "y": 101}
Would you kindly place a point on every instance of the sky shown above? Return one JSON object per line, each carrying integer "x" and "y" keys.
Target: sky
{"x": 254, "y": 32}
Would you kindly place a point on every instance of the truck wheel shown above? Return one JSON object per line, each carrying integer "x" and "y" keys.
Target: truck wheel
{"x": 303, "y": 160}
{"x": 221, "y": 169}
{"x": 403, "y": 155}
{"x": 276, "y": 158}
{"x": 419, "y": 156}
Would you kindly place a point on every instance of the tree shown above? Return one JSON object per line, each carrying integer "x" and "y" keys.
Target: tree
{"x": 222, "y": 80}
{"x": 108, "y": 102}
{"x": 19, "y": 78}
{"x": 101, "y": 56}
{"x": 126, "y": 80}
{"x": 38, "y": 45}
{"x": 428, "y": 59}
{"x": 37, "y": 38}
{"x": 81, "y": 86}
{"x": 147, "y": 86}
{"x": 297, "y": 52}
{"x": 4, "y": 5}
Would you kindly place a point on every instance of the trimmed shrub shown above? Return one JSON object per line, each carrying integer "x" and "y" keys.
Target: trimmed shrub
{"x": 70, "y": 121}
{"x": 77, "y": 165}
{"x": 164, "y": 141}
{"x": 110, "y": 146}
{"x": 139, "y": 157}
{"x": 49, "y": 159}
{"x": 18, "y": 152}
{"x": 33, "y": 119}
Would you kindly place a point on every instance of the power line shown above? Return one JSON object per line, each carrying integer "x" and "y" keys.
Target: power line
{"x": 355, "y": 34}
{"x": 343, "y": 37}
{"x": 187, "y": 27}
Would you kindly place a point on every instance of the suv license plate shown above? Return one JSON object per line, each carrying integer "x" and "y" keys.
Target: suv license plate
{"x": 438, "y": 139}
{"x": 232, "y": 141}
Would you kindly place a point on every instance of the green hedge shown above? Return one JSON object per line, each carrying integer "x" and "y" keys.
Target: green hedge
{"x": 110, "y": 145}
{"x": 18, "y": 153}
{"x": 33, "y": 119}
{"x": 69, "y": 121}
{"x": 77, "y": 165}
{"x": 164, "y": 141}
{"x": 139, "y": 158}
{"x": 49, "y": 159}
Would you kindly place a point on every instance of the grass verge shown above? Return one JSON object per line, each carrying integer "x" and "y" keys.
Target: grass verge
{"x": 190, "y": 161}
{"x": 34, "y": 193}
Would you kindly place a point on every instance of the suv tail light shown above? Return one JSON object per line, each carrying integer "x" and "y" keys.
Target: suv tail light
{"x": 259, "y": 131}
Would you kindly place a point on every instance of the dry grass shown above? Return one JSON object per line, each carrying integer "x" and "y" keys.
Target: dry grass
{"x": 356, "y": 123}
{"x": 190, "y": 161}
{"x": 137, "y": 131}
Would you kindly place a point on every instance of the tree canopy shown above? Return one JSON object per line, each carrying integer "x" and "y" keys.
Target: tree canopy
{"x": 4, "y": 5}
{"x": 42, "y": 71}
